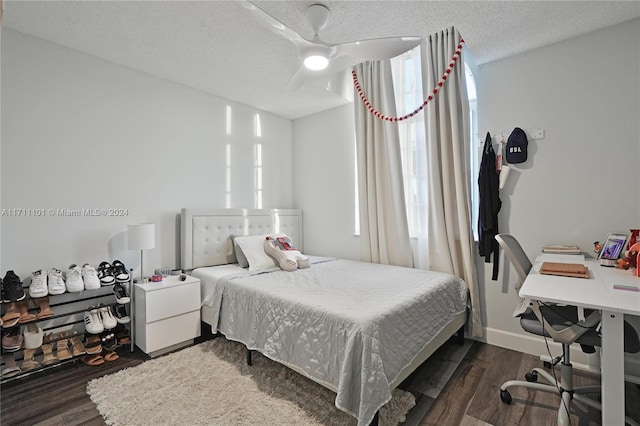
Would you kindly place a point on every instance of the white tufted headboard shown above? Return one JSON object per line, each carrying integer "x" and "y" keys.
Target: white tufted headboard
{"x": 206, "y": 235}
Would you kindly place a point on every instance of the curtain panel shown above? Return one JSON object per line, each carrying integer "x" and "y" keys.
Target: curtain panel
{"x": 449, "y": 236}
{"x": 384, "y": 232}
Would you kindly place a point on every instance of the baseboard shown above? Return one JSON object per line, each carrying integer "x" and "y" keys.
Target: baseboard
{"x": 536, "y": 346}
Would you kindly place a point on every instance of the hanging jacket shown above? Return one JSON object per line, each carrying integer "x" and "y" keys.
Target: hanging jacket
{"x": 488, "y": 183}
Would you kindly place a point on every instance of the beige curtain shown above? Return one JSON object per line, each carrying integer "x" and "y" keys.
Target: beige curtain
{"x": 449, "y": 233}
{"x": 384, "y": 233}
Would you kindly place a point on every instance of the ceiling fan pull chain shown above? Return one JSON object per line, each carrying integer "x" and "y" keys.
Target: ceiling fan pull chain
{"x": 381, "y": 116}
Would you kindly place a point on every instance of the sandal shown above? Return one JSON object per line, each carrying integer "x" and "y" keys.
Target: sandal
{"x": 11, "y": 369}
{"x": 92, "y": 360}
{"x": 62, "y": 347}
{"x": 109, "y": 342}
{"x": 25, "y": 316}
{"x": 29, "y": 362}
{"x": 47, "y": 350}
{"x": 122, "y": 334}
{"x": 78, "y": 347}
{"x": 11, "y": 316}
{"x": 45, "y": 309}
{"x": 111, "y": 356}
{"x": 92, "y": 344}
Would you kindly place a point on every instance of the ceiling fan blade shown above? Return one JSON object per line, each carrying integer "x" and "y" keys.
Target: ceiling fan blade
{"x": 272, "y": 24}
{"x": 376, "y": 49}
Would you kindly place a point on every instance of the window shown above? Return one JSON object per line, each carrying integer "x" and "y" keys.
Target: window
{"x": 475, "y": 148}
{"x": 407, "y": 80}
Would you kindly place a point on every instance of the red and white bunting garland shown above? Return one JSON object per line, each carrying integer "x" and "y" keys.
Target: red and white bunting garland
{"x": 381, "y": 116}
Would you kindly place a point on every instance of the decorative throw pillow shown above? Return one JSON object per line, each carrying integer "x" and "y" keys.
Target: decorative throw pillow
{"x": 252, "y": 247}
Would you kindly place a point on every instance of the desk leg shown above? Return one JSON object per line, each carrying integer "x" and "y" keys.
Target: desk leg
{"x": 612, "y": 368}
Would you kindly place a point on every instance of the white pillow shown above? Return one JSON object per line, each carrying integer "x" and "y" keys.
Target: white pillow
{"x": 240, "y": 257}
{"x": 252, "y": 247}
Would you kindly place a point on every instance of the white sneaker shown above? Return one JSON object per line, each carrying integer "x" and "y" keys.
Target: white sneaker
{"x": 92, "y": 322}
{"x": 74, "y": 279}
{"x": 90, "y": 277}
{"x": 108, "y": 320}
{"x": 38, "y": 287}
{"x": 56, "y": 282}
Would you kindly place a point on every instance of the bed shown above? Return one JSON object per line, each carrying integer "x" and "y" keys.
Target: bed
{"x": 356, "y": 328}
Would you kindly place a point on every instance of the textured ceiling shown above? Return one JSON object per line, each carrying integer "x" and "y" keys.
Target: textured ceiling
{"x": 218, "y": 47}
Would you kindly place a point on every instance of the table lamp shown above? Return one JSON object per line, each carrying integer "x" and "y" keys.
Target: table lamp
{"x": 141, "y": 236}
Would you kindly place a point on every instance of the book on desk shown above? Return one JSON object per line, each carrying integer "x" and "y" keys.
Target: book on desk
{"x": 561, "y": 249}
{"x": 575, "y": 270}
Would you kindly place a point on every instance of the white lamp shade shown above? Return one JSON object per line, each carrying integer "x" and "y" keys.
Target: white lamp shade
{"x": 141, "y": 236}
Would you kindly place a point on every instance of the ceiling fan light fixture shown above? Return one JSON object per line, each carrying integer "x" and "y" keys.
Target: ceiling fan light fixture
{"x": 316, "y": 61}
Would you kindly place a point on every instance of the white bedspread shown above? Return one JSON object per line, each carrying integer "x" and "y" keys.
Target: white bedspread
{"x": 351, "y": 326}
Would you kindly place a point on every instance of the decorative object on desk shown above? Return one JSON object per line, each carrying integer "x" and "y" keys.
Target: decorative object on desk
{"x": 141, "y": 237}
{"x": 597, "y": 247}
{"x": 630, "y": 254}
{"x": 565, "y": 269}
{"x": 176, "y": 271}
{"x": 634, "y": 237}
{"x": 634, "y": 253}
{"x": 517, "y": 145}
{"x": 157, "y": 278}
{"x": 612, "y": 249}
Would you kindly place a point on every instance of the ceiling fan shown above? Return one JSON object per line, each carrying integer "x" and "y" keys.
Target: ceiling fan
{"x": 320, "y": 59}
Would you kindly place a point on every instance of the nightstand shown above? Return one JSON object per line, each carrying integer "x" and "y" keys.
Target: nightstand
{"x": 167, "y": 314}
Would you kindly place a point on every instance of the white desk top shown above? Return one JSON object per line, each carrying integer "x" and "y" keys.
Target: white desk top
{"x": 595, "y": 292}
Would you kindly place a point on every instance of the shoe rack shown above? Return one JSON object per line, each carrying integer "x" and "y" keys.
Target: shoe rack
{"x": 64, "y": 323}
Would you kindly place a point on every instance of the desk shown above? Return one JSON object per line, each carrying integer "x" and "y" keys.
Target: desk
{"x": 596, "y": 292}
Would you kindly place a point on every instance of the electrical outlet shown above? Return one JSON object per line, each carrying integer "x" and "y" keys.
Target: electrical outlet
{"x": 537, "y": 134}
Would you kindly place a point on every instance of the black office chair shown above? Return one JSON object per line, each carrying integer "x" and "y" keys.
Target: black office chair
{"x": 560, "y": 323}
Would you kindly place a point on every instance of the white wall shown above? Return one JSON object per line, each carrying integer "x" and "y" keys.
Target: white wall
{"x": 324, "y": 187}
{"x": 79, "y": 132}
{"x": 580, "y": 182}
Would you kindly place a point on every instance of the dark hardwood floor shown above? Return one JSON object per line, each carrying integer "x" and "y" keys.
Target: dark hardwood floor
{"x": 470, "y": 397}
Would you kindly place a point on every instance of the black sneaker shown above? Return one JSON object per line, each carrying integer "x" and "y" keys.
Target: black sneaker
{"x": 13, "y": 291}
{"x": 121, "y": 293}
{"x": 105, "y": 274}
{"x": 120, "y": 272}
{"x": 121, "y": 314}
{"x": 1, "y": 290}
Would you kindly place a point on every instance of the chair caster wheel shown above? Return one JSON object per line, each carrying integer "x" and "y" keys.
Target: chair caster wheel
{"x": 505, "y": 396}
{"x": 531, "y": 377}
{"x": 547, "y": 364}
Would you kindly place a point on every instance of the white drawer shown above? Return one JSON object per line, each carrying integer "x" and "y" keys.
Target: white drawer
{"x": 172, "y": 301}
{"x": 170, "y": 331}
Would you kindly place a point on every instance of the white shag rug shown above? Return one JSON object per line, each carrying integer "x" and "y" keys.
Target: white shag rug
{"x": 211, "y": 384}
